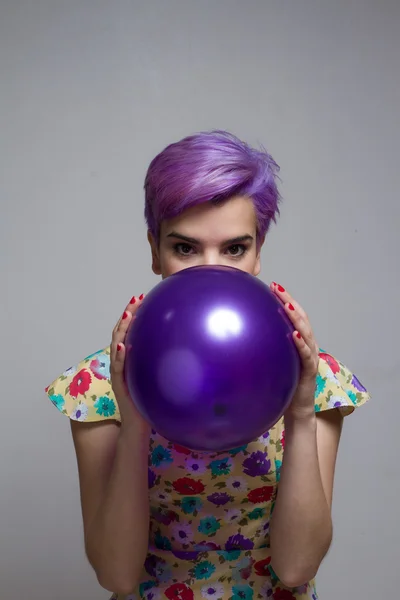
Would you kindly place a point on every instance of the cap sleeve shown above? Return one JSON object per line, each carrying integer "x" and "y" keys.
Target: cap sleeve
{"x": 84, "y": 392}
{"x": 337, "y": 386}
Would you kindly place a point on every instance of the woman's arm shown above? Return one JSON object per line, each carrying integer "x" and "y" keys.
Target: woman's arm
{"x": 301, "y": 525}
{"x": 113, "y": 475}
{"x": 112, "y": 464}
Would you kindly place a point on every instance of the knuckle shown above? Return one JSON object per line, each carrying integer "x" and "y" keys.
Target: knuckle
{"x": 115, "y": 373}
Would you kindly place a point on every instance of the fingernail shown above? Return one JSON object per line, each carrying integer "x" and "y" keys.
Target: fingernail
{"x": 119, "y": 347}
{"x": 280, "y": 288}
{"x": 141, "y": 296}
{"x": 125, "y": 315}
{"x": 290, "y": 306}
{"x": 133, "y": 300}
{"x": 298, "y": 335}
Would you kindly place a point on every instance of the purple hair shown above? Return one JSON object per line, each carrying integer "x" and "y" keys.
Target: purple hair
{"x": 210, "y": 167}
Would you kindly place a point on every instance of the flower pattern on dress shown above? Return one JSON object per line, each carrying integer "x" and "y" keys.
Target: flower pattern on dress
{"x": 209, "y": 512}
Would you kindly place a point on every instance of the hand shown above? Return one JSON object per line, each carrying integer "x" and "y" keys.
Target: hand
{"x": 304, "y": 397}
{"x": 129, "y": 413}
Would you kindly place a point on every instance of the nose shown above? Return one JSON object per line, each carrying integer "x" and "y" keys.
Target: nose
{"x": 211, "y": 258}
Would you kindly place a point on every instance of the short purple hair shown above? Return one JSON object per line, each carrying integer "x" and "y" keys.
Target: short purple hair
{"x": 210, "y": 167}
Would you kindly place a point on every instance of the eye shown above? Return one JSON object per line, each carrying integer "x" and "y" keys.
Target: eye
{"x": 237, "y": 250}
{"x": 183, "y": 249}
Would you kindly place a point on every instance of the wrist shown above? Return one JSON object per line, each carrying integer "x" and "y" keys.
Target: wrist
{"x": 303, "y": 418}
{"x": 134, "y": 428}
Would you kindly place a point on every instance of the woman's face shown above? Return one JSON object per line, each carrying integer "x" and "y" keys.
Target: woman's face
{"x": 208, "y": 234}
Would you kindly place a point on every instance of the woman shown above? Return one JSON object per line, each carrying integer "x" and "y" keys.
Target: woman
{"x": 161, "y": 520}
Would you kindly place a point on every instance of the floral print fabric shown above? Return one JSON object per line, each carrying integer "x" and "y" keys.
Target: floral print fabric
{"x": 210, "y": 512}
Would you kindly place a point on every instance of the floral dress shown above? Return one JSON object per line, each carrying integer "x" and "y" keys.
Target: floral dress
{"x": 210, "y": 512}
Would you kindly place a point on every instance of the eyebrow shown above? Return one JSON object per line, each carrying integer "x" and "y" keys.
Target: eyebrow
{"x": 236, "y": 240}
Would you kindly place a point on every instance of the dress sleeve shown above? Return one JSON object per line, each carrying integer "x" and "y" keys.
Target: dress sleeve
{"x": 84, "y": 392}
{"x": 337, "y": 387}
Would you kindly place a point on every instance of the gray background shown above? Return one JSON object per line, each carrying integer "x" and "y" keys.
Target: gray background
{"x": 90, "y": 91}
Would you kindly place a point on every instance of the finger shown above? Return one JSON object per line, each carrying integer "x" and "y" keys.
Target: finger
{"x": 119, "y": 333}
{"x": 307, "y": 354}
{"x": 300, "y": 324}
{"x": 304, "y": 329}
{"x": 119, "y": 358}
{"x": 117, "y": 371}
{"x": 298, "y": 316}
{"x": 118, "y": 348}
{"x": 133, "y": 305}
{"x": 122, "y": 327}
{"x": 118, "y": 353}
{"x": 286, "y": 298}
{"x": 122, "y": 318}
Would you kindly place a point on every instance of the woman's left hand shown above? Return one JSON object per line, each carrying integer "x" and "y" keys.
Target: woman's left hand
{"x": 303, "y": 400}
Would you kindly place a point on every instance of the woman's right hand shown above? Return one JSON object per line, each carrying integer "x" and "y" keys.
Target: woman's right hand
{"x": 129, "y": 414}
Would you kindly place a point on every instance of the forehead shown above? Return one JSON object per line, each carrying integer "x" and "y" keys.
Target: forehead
{"x": 226, "y": 220}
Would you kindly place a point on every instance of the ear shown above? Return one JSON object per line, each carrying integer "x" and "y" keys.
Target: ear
{"x": 257, "y": 265}
{"x": 155, "y": 257}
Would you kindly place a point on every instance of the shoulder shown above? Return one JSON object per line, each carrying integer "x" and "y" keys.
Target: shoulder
{"x": 337, "y": 386}
{"x": 83, "y": 392}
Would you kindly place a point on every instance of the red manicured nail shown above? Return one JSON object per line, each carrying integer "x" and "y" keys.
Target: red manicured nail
{"x": 125, "y": 315}
{"x": 298, "y": 335}
{"x": 280, "y": 288}
{"x": 133, "y": 300}
{"x": 119, "y": 346}
{"x": 290, "y": 307}
{"x": 141, "y": 296}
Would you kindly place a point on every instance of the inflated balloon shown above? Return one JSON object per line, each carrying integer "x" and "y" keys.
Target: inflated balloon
{"x": 211, "y": 363}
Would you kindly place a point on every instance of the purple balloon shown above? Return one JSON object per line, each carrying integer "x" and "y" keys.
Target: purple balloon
{"x": 211, "y": 363}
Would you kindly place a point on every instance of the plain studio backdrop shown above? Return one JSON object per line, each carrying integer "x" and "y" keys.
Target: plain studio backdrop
{"x": 91, "y": 90}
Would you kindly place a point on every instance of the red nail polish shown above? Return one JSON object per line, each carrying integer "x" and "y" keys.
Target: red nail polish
{"x": 280, "y": 288}
{"x": 119, "y": 347}
{"x": 125, "y": 315}
{"x": 141, "y": 296}
{"x": 133, "y": 300}
{"x": 298, "y": 335}
{"x": 290, "y": 307}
